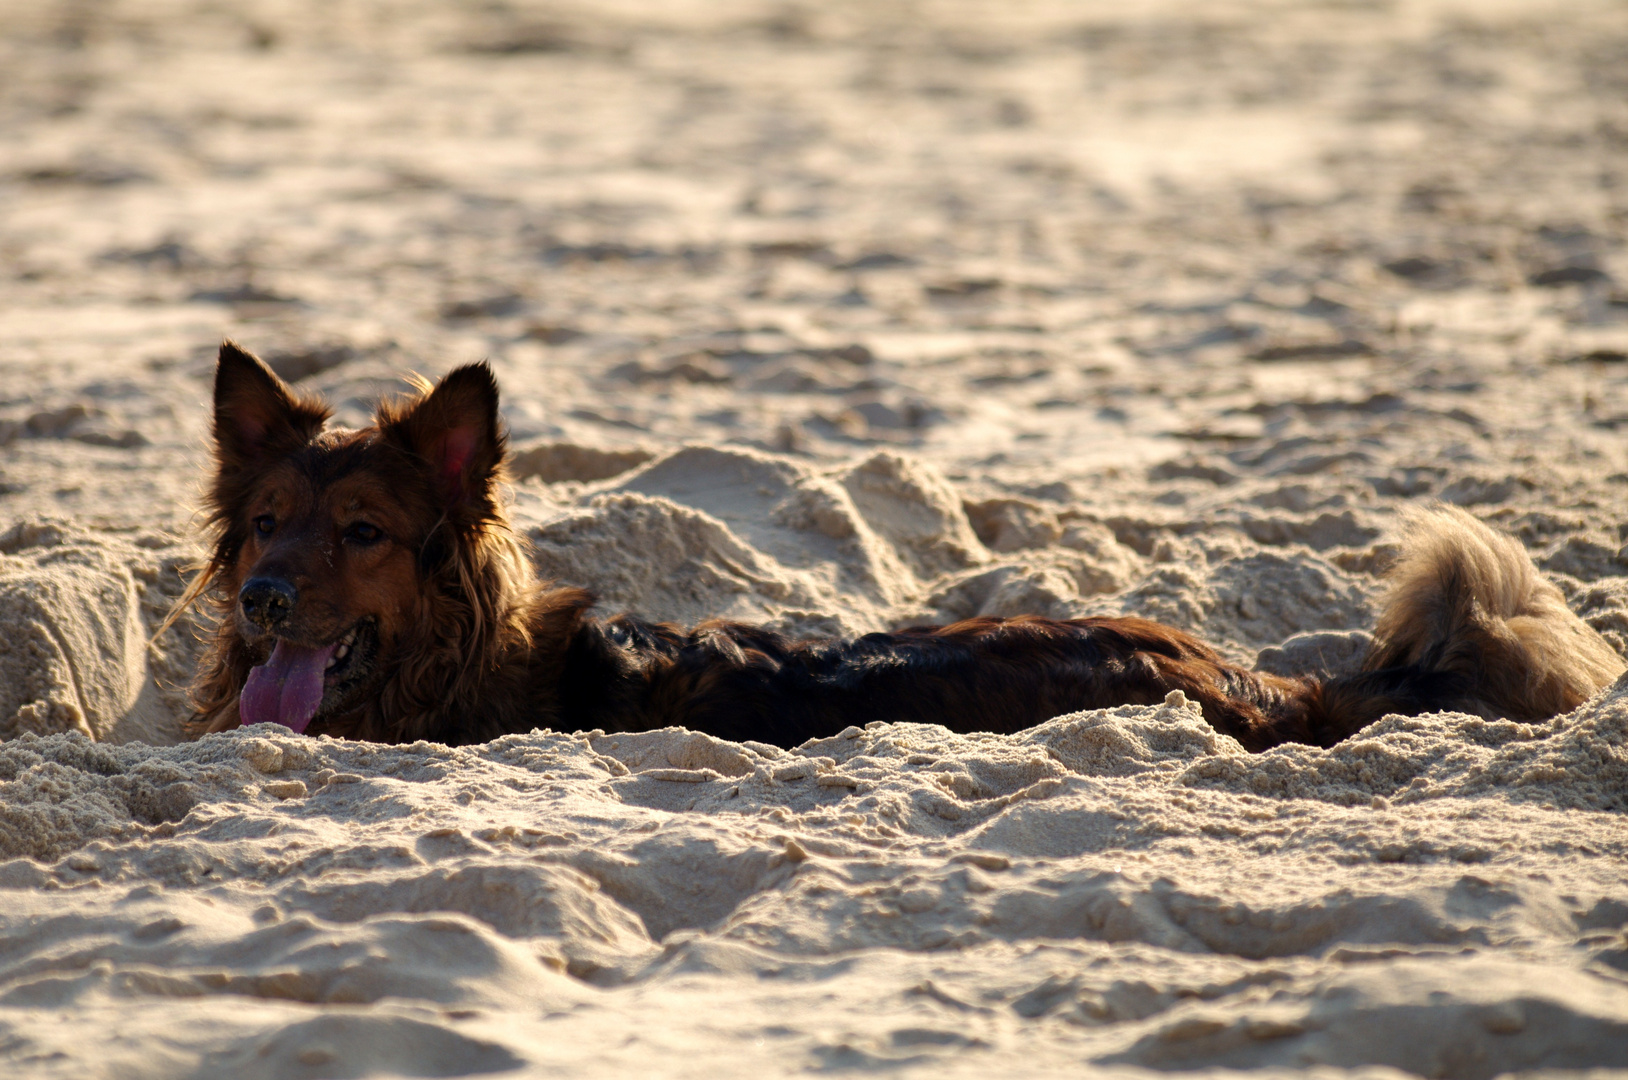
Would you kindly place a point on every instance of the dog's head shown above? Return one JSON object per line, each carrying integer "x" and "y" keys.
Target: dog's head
{"x": 340, "y": 556}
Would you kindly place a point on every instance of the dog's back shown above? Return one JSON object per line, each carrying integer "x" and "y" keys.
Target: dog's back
{"x": 1468, "y": 626}
{"x": 998, "y": 675}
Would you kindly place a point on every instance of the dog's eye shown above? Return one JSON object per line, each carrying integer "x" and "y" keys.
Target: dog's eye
{"x": 265, "y": 525}
{"x": 364, "y": 533}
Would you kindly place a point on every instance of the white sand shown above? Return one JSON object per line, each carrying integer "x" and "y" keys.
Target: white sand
{"x": 833, "y": 317}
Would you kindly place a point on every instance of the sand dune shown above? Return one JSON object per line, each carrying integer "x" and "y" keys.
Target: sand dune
{"x": 835, "y": 318}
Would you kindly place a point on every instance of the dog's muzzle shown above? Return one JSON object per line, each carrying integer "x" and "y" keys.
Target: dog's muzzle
{"x": 267, "y": 601}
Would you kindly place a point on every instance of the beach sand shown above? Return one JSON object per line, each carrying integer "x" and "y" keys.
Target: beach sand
{"x": 834, "y": 317}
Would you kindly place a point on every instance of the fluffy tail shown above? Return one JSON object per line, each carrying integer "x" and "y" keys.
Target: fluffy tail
{"x": 1469, "y": 625}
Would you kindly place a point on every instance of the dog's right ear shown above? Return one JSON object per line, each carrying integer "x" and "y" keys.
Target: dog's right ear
{"x": 256, "y": 414}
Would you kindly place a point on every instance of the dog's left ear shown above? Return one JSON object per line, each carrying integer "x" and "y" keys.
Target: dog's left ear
{"x": 456, "y": 431}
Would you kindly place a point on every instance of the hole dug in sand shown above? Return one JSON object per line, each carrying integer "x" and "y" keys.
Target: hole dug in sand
{"x": 1123, "y": 887}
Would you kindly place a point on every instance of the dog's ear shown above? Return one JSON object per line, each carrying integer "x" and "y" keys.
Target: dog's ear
{"x": 256, "y": 414}
{"x": 456, "y": 431}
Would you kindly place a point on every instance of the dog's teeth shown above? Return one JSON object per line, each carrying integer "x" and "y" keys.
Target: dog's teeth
{"x": 332, "y": 660}
{"x": 339, "y": 654}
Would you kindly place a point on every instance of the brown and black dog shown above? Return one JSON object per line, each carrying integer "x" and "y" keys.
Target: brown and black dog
{"x": 367, "y": 585}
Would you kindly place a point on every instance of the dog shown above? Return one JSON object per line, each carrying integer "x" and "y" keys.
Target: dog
{"x": 367, "y": 585}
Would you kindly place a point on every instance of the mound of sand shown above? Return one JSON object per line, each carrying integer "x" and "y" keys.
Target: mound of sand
{"x": 834, "y": 317}
{"x": 79, "y": 608}
{"x": 1123, "y": 887}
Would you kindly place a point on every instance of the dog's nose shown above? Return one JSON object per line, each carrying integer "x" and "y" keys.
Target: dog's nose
{"x": 267, "y": 601}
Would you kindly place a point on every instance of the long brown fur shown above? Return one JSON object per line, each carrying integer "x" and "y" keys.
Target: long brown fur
{"x": 1468, "y": 600}
{"x": 466, "y": 644}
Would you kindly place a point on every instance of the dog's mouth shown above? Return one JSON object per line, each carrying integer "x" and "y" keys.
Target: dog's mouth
{"x": 300, "y": 682}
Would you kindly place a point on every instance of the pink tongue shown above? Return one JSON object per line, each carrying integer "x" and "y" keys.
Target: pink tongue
{"x": 287, "y": 688}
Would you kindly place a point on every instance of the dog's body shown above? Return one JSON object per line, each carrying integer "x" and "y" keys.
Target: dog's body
{"x": 368, "y": 586}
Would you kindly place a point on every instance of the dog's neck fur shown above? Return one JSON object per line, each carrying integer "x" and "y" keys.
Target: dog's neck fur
{"x": 486, "y": 630}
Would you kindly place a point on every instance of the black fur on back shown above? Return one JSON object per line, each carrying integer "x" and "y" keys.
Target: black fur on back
{"x": 999, "y": 675}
